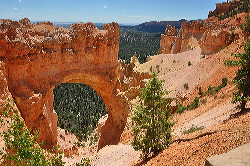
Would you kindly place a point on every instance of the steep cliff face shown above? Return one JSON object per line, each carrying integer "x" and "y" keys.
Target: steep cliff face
{"x": 188, "y": 36}
{"x": 38, "y": 57}
{"x": 167, "y": 40}
{"x": 210, "y": 35}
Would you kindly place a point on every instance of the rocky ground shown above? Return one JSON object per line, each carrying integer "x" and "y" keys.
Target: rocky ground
{"x": 222, "y": 131}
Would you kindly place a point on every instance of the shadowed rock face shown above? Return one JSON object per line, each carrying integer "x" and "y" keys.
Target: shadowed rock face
{"x": 40, "y": 56}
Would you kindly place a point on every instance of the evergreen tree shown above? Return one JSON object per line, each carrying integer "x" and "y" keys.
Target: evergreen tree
{"x": 151, "y": 125}
{"x": 21, "y": 147}
{"x": 242, "y": 79}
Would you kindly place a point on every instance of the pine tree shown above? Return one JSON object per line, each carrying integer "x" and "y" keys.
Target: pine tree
{"x": 242, "y": 79}
{"x": 20, "y": 146}
{"x": 151, "y": 124}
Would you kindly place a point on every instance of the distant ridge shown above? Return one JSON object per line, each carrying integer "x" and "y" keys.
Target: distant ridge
{"x": 159, "y": 26}
{"x": 151, "y": 27}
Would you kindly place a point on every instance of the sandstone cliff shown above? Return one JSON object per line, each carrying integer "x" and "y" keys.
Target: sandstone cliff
{"x": 210, "y": 35}
{"x": 167, "y": 40}
{"x": 37, "y": 57}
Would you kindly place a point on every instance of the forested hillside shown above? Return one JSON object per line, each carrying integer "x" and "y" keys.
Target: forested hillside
{"x": 142, "y": 43}
{"x": 78, "y": 107}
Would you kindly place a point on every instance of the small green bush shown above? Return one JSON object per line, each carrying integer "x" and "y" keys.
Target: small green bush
{"x": 193, "y": 129}
{"x": 214, "y": 90}
{"x": 203, "y": 101}
{"x": 201, "y": 93}
{"x": 180, "y": 109}
{"x": 84, "y": 162}
{"x": 232, "y": 38}
{"x": 194, "y": 104}
{"x": 186, "y": 86}
{"x": 189, "y": 63}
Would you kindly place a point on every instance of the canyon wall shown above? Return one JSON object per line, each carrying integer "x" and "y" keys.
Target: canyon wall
{"x": 225, "y": 7}
{"x": 37, "y": 57}
{"x": 167, "y": 40}
{"x": 211, "y": 35}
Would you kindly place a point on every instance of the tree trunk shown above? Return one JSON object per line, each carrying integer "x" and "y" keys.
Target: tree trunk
{"x": 243, "y": 105}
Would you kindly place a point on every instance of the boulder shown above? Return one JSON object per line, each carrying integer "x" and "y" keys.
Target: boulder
{"x": 239, "y": 156}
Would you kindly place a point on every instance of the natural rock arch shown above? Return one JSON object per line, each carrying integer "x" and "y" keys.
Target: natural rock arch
{"x": 40, "y": 56}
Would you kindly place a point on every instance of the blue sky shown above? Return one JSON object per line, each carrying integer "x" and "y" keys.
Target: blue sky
{"x": 104, "y": 11}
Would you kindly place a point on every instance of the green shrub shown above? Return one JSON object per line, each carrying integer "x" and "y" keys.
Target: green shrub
{"x": 180, "y": 109}
{"x": 194, "y": 104}
{"x": 201, "y": 93}
{"x": 84, "y": 162}
{"x": 211, "y": 90}
{"x": 203, "y": 101}
{"x": 189, "y": 63}
{"x": 186, "y": 86}
{"x": 21, "y": 147}
{"x": 224, "y": 82}
{"x": 151, "y": 124}
{"x": 232, "y": 38}
{"x": 214, "y": 90}
{"x": 193, "y": 129}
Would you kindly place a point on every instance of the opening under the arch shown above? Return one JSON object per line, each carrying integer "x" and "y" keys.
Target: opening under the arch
{"x": 78, "y": 107}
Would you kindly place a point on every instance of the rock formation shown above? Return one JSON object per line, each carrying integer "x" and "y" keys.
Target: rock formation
{"x": 167, "y": 40}
{"x": 38, "y": 57}
{"x": 239, "y": 156}
{"x": 214, "y": 40}
{"x": 224, "y": 7}
{"x": 188, "y": 36}
{"x": 209, "y": 35}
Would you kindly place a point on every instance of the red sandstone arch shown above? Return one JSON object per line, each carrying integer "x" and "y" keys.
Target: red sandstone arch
{"x": 40, "y": 56}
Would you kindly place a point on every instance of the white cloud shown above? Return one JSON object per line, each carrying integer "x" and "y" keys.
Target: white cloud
{"x": 105, "y": 7}
{"x": 14, "y": 8}
{"x": 20, "y": 1}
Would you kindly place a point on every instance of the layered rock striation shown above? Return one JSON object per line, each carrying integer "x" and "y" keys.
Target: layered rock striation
{"x": 38, "y": 57}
